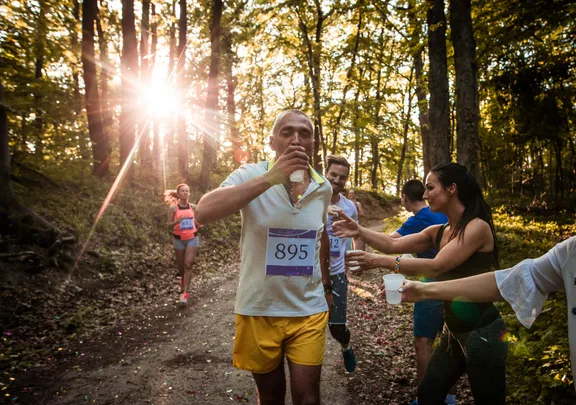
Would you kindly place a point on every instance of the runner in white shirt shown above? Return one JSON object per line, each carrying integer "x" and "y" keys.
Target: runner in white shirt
{"x": 525, "y": 286}
{"x": 284, "y": 291}
{"x": 337, "y": 172}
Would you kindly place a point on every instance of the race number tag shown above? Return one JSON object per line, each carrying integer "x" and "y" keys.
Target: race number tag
{"x": 290, "y": 252}
{"x": 187, "y": 224}
{"x": 335, "y": 245}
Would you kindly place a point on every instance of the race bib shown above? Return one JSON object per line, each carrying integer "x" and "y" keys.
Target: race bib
{"x": 290, "y": 252}
{"x": 187, "y": 224}
{"x": 335, "y": 245}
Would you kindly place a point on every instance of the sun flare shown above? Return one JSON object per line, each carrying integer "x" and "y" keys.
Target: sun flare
{"x": 160, "y": 100}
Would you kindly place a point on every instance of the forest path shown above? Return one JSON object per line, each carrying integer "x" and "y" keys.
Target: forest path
{"x": 181, "y": 356}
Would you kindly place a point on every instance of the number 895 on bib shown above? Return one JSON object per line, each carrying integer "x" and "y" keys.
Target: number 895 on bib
{"x": 290, "y": 252}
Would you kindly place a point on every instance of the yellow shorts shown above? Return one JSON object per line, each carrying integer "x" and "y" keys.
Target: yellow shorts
{"x": 262, "y": 341}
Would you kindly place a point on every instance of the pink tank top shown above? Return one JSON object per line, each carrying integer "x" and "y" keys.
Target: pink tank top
{"x": 187, "y": 228}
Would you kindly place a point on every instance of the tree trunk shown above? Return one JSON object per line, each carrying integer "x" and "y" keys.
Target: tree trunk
{"x": 39, "y": 52}
{"x": 313, "y": 58}
{"x": 129, "y": 95}
{"x": 77, "y": 50}
{"x": 6, "y": 192}
{"x": 230, "y": 97}
{"x": 105, "y": 75}
{"x": 422, "y": 111}
{"x": 169, "y": 135}
{"x": 357, "y": 158}
{"x": 145, "y": 151}
{"x": 559, "y": 177}
{"x": 421, "y": 88}
{"x": 349, "y": 74}
{"x": 439, "y": 112}
{"x": 156, "y": 145}
{"x": 407, "y": 119}
{"x": 467, "y": 113}
{"x": 374, "y": 138}
{"x": 210, "y": 141}
{"x": 180, "y": 84}
{"x": 97, "y": 136}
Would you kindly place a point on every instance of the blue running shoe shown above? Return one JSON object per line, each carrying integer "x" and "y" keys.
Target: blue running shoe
{"x": 349, "y": 360}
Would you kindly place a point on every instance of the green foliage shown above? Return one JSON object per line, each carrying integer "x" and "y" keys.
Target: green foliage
{"x": 539, "y": 368}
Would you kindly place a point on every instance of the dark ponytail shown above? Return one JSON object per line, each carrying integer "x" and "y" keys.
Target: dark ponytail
{"x": 470, "y": 194}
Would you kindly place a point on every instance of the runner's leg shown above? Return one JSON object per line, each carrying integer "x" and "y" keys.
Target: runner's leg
{"x": 305, "y": 384}
{"x": 180, "y": 254}
{"x": 446, "y": 365}
{"x": 190, "y": 257}
{"x": 271, "y": 386}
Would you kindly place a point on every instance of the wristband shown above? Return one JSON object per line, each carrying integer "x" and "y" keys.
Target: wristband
{"x": 397, "y": 265}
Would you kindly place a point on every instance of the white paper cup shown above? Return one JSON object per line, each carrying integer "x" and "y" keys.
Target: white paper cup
{"x": 392, "y": 282}
{"x": 297, "y": 176}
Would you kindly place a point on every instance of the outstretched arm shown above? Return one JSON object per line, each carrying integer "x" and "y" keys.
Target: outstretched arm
{"x": 418, "y": 242}
{"x": 480, "y": 288}
{"x": 226, "y": 201}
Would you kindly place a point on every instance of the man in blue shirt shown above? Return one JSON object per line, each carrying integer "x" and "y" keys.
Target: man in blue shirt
{"x": 428, "y": 319}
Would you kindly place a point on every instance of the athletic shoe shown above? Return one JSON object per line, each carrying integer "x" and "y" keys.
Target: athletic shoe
{"x": 349, "y": 360}
{"x": 184, "y": 298}
{"x": 450, "y": 399}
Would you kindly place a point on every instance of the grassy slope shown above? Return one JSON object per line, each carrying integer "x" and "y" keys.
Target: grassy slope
{"x": 126, "y": 270}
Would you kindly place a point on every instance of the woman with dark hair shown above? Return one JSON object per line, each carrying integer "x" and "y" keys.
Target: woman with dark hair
{"x": 186, "y": 242}
{"x": 472, "y": 338}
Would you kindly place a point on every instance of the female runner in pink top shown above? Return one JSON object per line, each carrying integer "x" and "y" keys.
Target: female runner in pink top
{"x": 186, "y": 242}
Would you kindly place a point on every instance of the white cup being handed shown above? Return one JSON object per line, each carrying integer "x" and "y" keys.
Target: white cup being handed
{"x": 392, "y": 282}
{"x": 297, "y": 176}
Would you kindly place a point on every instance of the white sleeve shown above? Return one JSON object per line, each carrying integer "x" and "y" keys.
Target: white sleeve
{"x": 238, "y": 176}
{"x": 526, "y": 286}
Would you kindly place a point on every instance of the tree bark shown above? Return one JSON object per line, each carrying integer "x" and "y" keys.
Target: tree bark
{"x": 93, "y": 112}
{"x": 180, "y": 83}
{"x": 169, "y": 135}
{"x": 407, "y": 119}
{"x": 6, "y": 190}
{"x": 374, "y": 138}
{"x": 156, "y": 145}
{"x": 210, "y": 141}
{"x": 77, "y": 50}
{"x": 313, "y": 57}
{"x": 439, "y": 112}
{"x": 39, "y": 52}
{"x": 145, "y": 151}
{"x": 105, "y": 75}
{"x": 230, "y": 95}
{"x": 421, "y": 88}
{"x": 467, "y": 113}
{"x": 349, "y": 74}
{"x": 129, "y": 96}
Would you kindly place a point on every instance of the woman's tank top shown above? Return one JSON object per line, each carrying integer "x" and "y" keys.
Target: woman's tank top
{"x": 466, "y": 316}
{"x": 187, "y": 228}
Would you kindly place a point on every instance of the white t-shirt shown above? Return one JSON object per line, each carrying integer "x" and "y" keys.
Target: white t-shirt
{"x": 267, "y": 253}
{"x": 338, "y": 246}
{"x": 526, "y": 287}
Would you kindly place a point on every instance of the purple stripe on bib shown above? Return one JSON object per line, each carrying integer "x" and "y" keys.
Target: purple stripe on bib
{"x": 274, "y": 270}
{"x": 292, "y": 233}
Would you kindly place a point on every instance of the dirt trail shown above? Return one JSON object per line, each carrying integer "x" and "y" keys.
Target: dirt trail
{"x": 182, "y": 356}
